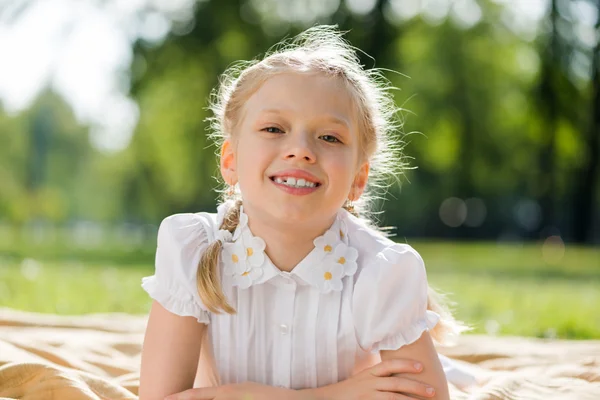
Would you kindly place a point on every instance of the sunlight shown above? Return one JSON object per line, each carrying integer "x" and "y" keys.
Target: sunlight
{"x": 83, "y": 51}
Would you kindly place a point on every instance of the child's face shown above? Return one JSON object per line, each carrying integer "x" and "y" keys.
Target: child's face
{"x": 295, "y": 150}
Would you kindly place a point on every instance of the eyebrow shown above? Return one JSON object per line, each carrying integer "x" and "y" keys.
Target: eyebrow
{"x": 324, "y": 117}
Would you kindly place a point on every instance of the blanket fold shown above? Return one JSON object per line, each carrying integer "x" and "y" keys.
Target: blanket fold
{"x": 97, "y": 357}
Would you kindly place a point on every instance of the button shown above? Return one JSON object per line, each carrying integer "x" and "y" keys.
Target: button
{"x": 284, "y": 329}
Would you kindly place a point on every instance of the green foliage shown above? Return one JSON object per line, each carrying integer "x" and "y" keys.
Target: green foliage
{"x": 488, "y": 113}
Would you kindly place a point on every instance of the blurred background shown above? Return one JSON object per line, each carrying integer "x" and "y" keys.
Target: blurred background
{"x": 102, "y": 134}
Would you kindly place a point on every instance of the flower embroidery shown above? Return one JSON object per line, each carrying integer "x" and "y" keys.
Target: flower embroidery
{"x": 330, "y": 277}
{"x": 254, "y": 247}
{"x": 326, "y": 242}
{"x": 234, "y": 257}
{"x": 244, "y": 281}
{"x": 245, "y": 261}
{"x": 346, "y": 257}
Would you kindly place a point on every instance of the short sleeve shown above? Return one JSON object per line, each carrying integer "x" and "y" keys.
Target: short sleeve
{"x": 389, "y": 303}
{"x": 181, "y": 240}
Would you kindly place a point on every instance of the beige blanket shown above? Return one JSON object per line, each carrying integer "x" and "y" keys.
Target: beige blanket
{"x": 97, "y": 357}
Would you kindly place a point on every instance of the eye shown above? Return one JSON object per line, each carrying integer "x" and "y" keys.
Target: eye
{"x": 272, "y": 129}
{"x": 330, "y": 139}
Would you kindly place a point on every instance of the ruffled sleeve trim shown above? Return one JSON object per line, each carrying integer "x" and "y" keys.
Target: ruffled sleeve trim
{"x": 410, "y": 334}
{"x": 175, "y": 300}
{"x": 182, "y": 238}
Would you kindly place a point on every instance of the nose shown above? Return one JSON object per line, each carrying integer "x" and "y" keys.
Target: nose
{"x": 300, "y": 148}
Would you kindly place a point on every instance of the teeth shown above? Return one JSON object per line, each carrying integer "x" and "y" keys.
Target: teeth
{"x": 292, "y": 182}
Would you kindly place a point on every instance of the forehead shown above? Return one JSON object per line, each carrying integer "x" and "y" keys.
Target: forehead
{"x": 302, "y": 94}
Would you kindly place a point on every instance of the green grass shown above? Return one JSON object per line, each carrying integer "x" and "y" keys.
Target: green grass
{"x": 531, "y": 290}
{"x": 518, "y": 290}
{"x": 73, "y": 288}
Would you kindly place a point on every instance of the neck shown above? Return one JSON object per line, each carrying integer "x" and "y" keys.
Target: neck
{"x": 287, "y": 242}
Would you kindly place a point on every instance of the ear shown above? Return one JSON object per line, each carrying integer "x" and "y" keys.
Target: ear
{"x": 360, "y": 182}
{"x": 228, "y": 163}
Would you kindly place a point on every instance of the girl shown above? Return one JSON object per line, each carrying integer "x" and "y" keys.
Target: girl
{"x": 288, "y": 291}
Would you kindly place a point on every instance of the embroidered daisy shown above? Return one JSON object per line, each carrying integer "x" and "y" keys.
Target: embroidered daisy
{"x": 234, "y": 257}
{"x": 326, "y": 243}
{"x": 245, "y": 280}
{"x": 329, "y": 277}
{"x": 346, "y": 257}
{"x": 244, "y": 258}
{"x": 254, "y": 247}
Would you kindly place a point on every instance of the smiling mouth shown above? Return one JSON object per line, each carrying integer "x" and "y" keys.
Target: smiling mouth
{"x": 294, "y": 182}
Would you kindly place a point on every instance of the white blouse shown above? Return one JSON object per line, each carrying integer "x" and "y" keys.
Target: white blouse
{"x": 354, "y": 294}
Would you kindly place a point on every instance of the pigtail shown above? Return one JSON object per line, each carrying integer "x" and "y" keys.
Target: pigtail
{"x": 207, "y": 275}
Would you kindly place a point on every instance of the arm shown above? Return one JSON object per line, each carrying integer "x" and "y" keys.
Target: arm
{"x": 170, "y": 353}
{"x": 375, "y": 383}
{"x": 424, "y": 351}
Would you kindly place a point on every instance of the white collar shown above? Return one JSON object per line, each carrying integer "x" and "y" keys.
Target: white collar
{"x": 245, "y": 261}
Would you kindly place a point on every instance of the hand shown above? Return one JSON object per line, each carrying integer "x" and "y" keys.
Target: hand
{"x": 239, "y": 391}
{"x": 378, "y": 382}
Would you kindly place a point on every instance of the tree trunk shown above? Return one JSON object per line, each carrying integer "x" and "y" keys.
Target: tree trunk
{"x": 546, "y": 188}
{"x": 588, "y": 180}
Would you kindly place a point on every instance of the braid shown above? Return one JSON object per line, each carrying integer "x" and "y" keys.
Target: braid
{"x": 207, "y": 275}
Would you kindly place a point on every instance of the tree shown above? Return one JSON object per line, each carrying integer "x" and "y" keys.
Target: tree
{"x": 587, "y": 182}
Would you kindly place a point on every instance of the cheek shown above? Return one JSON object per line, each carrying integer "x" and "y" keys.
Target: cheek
{"x": 252, "y": 155}
{"x": 342, "y": 168}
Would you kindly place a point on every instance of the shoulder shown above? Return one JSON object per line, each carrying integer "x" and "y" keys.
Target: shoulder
{"x": 377, "y": 251}
{"x": 184, "y": 227}
{"x": 389, "y": 300}
{"x": 181, "y": 240}
{"x": 187, "y": 226}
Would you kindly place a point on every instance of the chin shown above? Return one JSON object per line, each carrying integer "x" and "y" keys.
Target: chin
{"x": 310, "y": 213}
{"x": 290, "y": 213}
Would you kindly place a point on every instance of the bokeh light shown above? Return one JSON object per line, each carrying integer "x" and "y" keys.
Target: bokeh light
{"x": 453, "y": 212}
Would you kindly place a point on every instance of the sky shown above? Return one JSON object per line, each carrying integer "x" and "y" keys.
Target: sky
{"x": 82, "y": 49}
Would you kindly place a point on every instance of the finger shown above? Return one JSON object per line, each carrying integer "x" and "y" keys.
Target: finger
{"x": 405, "y": 385}
{"x": 396, "y": 366}
{"x": 207, "y": 393}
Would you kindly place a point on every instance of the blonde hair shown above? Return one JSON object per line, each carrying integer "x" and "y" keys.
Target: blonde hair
{"x": 320, "y": 49}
